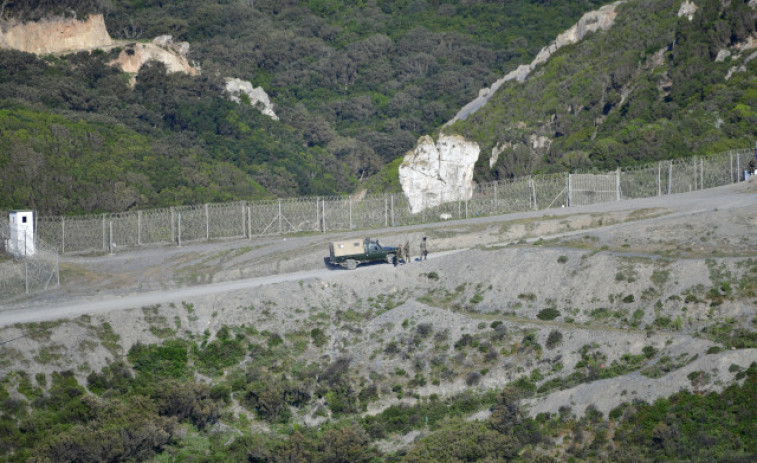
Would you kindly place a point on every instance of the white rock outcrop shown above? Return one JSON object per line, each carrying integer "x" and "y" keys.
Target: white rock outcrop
{"x": 601, "y": 19}
{"x": 432, "y": 174}
{"x": 687, "y": 9}
{"x": 496, "y": 151}
{"x": 258, "y": 97}
{"x": 163, "y": 49}
{"x": 57, "y": 35}
{"x": 436, "y": 173}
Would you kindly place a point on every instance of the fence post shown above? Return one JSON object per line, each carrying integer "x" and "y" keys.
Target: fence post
{"x": 110, "y": 236}
{"x": 695, "y": 173}
{"x": 244, "y": 220}
{"x": 173, "y": 225}
{"x": 738, "y": 166}
{"x": 496, "y": 198}
{"x": 569, "y": 192}
{"x": 701, "y": 173}
{"x": 207, "y": 223}
{"x": 104, "y": 246}
{"x": 249, "y": 220}
{"x": 63, "y": 234}
{"x": 386, "y": 210}
{"x": 279, "y": 215}
{"x": 350, "y": 200}
{"x": 139, "y": 228}
{"x": 323, "y": 214}
{"x": 617, "y": 184}
{"x": 533, "y": 192}
{"x": 179, "y": 230}
{"x": 730, "y": 155}
{"x": 659, "y": 178}
{"x": 392, "y": 210}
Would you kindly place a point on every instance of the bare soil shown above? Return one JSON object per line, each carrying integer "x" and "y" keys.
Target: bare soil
{"x": 623, "y": 276}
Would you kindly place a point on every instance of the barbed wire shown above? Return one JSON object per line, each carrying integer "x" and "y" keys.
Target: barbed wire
{"x": 246, "y": 219}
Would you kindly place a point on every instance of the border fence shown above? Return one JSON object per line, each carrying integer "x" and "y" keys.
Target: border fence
{"x": 247, "y": 219}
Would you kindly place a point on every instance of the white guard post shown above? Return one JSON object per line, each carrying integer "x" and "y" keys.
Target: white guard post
{"x": 21, "y": 242}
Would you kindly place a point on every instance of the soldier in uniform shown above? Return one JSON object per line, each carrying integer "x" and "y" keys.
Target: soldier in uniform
{"x": 398, "y": 255}
{"x": 406, "y": 251}
{"x": 424, "y": 249}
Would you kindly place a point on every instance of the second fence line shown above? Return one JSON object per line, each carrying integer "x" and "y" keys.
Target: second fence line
{"x": 246, "y": 219}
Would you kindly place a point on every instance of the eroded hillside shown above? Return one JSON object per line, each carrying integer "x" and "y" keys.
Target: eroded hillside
{"x": 563, "y": 316}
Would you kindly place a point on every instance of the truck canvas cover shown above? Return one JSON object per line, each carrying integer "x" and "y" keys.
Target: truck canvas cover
{"x": 346, "y": 248}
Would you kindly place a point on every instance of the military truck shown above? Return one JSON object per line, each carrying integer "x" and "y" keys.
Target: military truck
{"x": 350, "y": 253}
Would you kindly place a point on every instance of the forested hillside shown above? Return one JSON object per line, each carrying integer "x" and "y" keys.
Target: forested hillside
{"x": 355, "y": 84}
{"x": 654, "y": 86}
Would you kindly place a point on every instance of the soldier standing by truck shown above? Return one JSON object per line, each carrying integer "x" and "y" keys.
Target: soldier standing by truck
{"x": 406, "y": 251}
{"x": 424, "y": 249}
{"x": 398, "y": 255}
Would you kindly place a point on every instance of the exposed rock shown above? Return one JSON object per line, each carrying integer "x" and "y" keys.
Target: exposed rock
{"x": 749, "y": 44}
{"x": 592, "y": 21}
{"x": 57, "y": 35}
{"x": 163, "y": 49}
{"x": 540, "y": 141}
{"x": 424, "y": 178}
{"x": 687, "y": 9}
{"x": 496, "y": 151}
{"x": 722, "y": 55}
{"x": 258, "y": 97}
{"x": 435, "y": 173}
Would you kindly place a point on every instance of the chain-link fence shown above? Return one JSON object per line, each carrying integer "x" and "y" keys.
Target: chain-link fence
{"x": 23, "y": 275}
{"x": 178, "y": 225}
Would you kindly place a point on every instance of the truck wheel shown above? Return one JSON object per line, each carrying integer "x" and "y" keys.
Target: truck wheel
{"x": 351, "y": 264}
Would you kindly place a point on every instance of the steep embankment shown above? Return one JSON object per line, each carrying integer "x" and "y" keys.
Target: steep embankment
{"x": 431, "y": 175}
{"x": 56, "y": 35}
{"x": 634, "y": 81}
{"x": 620, "y": 302}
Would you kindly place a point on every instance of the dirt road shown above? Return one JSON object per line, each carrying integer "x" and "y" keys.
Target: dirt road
{"x": 156, "y": 276}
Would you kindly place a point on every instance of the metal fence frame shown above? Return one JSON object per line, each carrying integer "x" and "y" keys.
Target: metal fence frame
{"x": 247, "y": 219}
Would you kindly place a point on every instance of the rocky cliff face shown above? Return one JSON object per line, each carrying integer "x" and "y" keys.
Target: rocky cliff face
{"x": 163, "y": 49}
{"x": 592, "y": 21}
{"x": 432, "y": 174}
{"x": 436, "y": 173}
{"x": 258, "y": 97}
{"x": 61, "y": 35}
{"x": 56, "y": 35}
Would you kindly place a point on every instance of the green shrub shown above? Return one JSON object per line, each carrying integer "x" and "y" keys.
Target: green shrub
{"x": 319, "y": 337}
{"x": 649, "y": 351}
{"x": 662, "y": 322}
{"x": 554, "y": 338}
{"x": 527, "y": 296}
{"x": 221, "y": 353}
{"x": 549, "y": 313}
{"x": 168, "y": 360}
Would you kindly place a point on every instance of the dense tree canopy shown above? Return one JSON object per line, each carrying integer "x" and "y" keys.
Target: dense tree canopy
{"x": 649, "y": 88}
{"x": 355, "y": 84}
